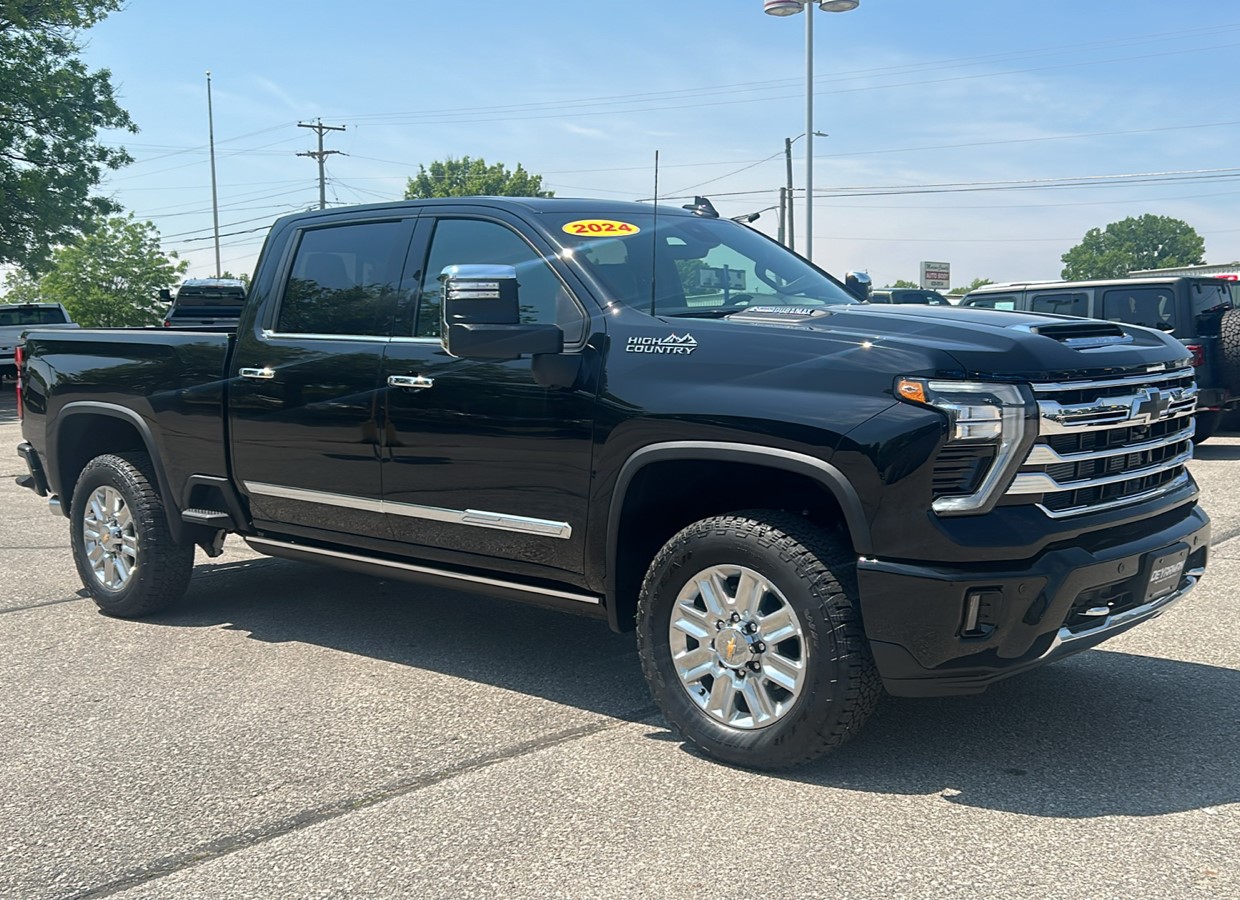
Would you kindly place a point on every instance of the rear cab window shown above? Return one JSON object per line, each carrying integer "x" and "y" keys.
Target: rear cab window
{"x": 991, "y": 301}
{"x": 32, "y": 315}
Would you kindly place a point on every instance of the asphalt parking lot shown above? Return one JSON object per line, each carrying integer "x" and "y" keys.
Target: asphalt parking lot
{"x": 290, "y": 731}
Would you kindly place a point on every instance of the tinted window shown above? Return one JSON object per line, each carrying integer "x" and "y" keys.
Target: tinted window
{"x": 543, "y": 297}
{"x": 33, "y": 315}
{"x": 197, "y": 296}
{"x": 1148, "y": 306}
{"x": 991, "y": 301}
{"x": 1063, "y": 304}
{"x": 344, "y": 280}
{"x": 932, "y": 298}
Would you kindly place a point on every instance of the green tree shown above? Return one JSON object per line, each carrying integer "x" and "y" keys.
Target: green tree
{"x": 51, "y": 110}
{"x": 112, "y": 275}
{"x": 21, "y": 287}
{"x": 244, "y": 278}
{"x": 971, "y": 286}
{"x": 466, "y": 177}
{"x": 1140, "y": 242}
{"x": 904, "y": 283}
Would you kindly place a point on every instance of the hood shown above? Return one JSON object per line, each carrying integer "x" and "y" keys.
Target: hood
{"x": 987, "y": 343}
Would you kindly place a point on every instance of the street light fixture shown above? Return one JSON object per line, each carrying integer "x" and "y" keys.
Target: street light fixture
{"x": 791, "y": 8}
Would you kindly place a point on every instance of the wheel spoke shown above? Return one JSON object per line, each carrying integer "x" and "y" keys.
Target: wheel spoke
{"x": 693, "y": 665}
{"x": 749, "y": 593}
{"x": 109, "y": 571}
{"x": 714, "y": 594}
{"x": 760, "y": 705}
{"x": 124, "y": 518}
{"x": 690, "y": 620}
{"x": 96, "y": 507}
{"x": 94, "y": 551}
{"x": 779, "y": 625}
{"x": 782, "y": 671}
{"x": 122, "y": 570}
{"x": 722, "y": 701}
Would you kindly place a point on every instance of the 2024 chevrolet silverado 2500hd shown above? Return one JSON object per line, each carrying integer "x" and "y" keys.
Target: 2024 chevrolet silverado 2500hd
{"x": 665, "y": 420}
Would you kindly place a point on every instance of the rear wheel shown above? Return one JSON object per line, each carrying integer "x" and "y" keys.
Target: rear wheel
{"x": 751, "y": 640}
{"x": 122, "y": 545}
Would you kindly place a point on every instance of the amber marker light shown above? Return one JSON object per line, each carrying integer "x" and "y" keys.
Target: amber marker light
{"x": 909, "y": 389}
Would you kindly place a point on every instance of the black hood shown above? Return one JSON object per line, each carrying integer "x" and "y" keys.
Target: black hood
{"x": 988, "y": 343}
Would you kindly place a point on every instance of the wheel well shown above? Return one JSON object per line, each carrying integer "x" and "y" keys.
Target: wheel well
{"x": 81, "y": 438}
{"x": 664, "y": 497}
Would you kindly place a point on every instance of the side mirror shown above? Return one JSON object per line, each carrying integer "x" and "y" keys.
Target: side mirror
{"x": 165, "y": 295}
{"x": 482, "y": 316}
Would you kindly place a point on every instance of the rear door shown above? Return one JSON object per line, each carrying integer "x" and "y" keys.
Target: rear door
{"x": 305, "y": 396}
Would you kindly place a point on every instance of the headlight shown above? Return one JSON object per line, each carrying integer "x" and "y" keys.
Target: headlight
{"x": 983, "y": 418}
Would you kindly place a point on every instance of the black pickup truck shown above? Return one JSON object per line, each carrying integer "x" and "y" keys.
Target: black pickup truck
{"x": 654, "y": 416}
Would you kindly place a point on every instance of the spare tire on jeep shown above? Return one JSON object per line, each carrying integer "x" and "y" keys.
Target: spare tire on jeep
{"x": 1229, "y": 344}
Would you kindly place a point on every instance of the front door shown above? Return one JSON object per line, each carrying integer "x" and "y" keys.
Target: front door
{"x": 480, "y": 460}
{"x": 305, "y": 393}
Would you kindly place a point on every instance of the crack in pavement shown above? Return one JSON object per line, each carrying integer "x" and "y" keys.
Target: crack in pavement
{"x": 253, "y": 837}
{"x": 41, "y": 604}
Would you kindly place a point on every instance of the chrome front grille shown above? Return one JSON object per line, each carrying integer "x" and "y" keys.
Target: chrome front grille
{"x": 1109, "y": 442}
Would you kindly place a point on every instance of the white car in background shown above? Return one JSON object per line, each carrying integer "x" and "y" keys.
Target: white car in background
{"x": 17, "y": 318}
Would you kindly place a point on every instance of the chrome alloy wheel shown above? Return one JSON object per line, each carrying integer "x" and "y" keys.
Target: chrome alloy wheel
{"x": 109, "y": 538}
{"x": 738, "y": 647}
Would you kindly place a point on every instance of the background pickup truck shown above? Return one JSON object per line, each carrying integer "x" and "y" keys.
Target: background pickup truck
{"x": 659, "y": 418}
{"x": 18, "y": 318}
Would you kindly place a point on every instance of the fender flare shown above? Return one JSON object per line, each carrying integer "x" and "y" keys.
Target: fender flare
{"x": 112, "y": 410}
{"x": 771, "y": 457}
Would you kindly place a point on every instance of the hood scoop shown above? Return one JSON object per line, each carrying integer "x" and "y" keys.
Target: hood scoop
{"x": 1082, "y": 335}
{"x": 779, "y": 315}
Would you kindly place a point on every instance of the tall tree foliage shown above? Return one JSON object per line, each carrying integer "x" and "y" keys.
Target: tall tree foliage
{"x": 51, "y": 110}
{"x": 467, "y": 177}
{"x": 1138, "y": 242}
{"x": 112, "y": 276}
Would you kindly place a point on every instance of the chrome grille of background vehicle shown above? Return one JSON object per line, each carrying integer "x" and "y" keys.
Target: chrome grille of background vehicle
{"x": 1109, "y": 442}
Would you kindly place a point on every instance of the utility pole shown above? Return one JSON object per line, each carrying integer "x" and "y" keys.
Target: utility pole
{"x": 215, "y": 200}
{"x": 783, "y": 216}
{"x": 320, "y": 155}
{"x": 791, "y": 242}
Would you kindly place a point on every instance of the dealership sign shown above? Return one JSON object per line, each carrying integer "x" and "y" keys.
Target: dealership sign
{"x": 936, "y": 275}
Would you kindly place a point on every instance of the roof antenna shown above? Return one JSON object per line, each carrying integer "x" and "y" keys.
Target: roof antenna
{"x": 654, "y": 228}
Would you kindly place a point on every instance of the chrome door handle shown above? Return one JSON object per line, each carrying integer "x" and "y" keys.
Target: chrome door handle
{"x": 414, "y": 382}
{"x": 262, "y": 374}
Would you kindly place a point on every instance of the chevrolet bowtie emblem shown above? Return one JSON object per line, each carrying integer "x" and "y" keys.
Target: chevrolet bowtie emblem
{"x": 731, "y": 646}
{"x": 1151, "y": 404}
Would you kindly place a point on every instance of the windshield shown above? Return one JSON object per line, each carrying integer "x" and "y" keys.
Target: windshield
{"x": 692, "y": 266}
{"x": 33, "y": 315}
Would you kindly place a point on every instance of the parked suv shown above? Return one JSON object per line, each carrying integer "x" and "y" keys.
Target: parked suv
{"x": 1198, "y": 311}
{"x": 909, "y": 295}
{"x": 205, "y": 301}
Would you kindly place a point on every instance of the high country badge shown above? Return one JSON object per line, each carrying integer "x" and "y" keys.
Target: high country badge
{"x": 670, "y": 344}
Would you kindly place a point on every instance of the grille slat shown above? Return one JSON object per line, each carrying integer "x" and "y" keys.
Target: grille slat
{"x": 1109, "y": 442}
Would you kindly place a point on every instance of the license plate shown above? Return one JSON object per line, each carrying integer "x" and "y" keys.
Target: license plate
{"x": 1165, "y": 569}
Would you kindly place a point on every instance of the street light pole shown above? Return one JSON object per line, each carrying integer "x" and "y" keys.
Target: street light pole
{"x": 789, "y": 8}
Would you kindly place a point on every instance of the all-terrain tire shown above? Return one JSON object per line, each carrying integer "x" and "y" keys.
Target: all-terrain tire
{"x": 122, "y": 545}
{"x": 1229, "y": 345}
{"x": 792, "y": 570}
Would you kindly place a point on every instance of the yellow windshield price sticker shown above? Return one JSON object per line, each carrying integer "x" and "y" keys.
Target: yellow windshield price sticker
{"x": 600, "y": 228}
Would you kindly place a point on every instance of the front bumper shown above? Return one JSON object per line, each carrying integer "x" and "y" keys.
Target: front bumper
{"x": 943, "y": 630}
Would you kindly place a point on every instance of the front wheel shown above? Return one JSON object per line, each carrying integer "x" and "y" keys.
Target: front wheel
{"x": 1205, "y": 423}
{"x": 751, "y": 640}
{"x": 122, "y": 545}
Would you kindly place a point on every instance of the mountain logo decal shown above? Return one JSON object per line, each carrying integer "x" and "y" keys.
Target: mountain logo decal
{"x": 681, "y": 345}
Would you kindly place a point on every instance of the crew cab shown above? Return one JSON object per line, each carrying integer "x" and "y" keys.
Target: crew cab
{"x": 657, "y": 417}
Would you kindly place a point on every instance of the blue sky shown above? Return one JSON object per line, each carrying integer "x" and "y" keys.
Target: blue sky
{"x": 915, "y": 95}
